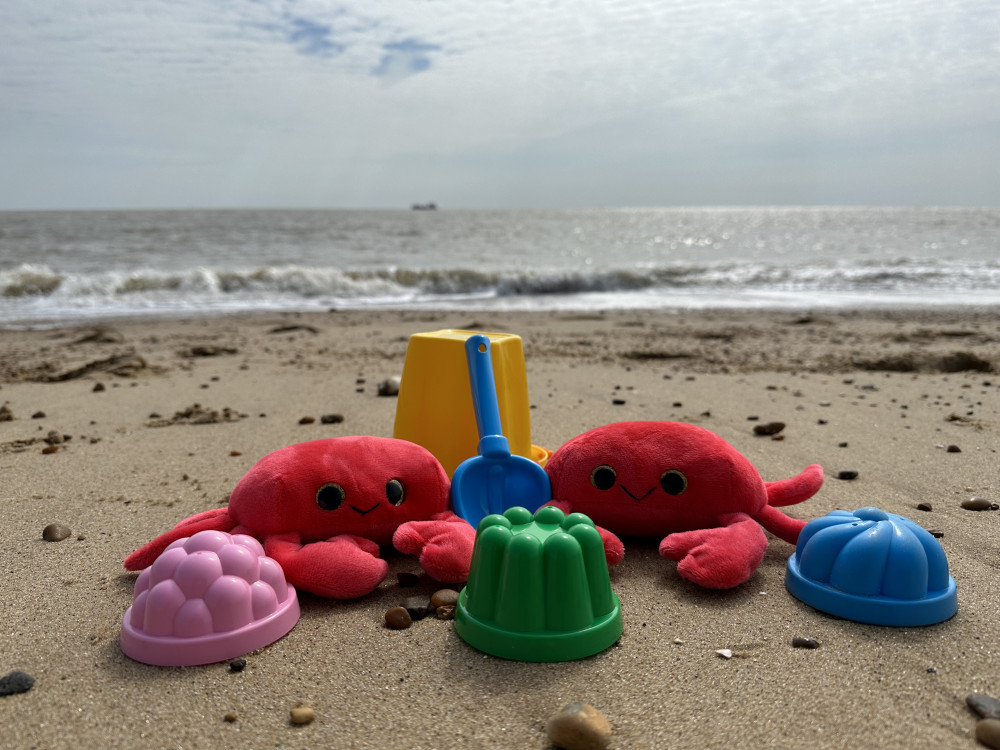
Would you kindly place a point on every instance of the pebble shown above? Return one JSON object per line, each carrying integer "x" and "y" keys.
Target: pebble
{"x": 444, "y": 598}
{"x": 417, "y": 606}
{"x": 38, "y": 415}
{"x": 618, "y": 401}
{"x": 978, "y": 503}
{"x": 389, "y": 387}
{"x": 301, "y": 715}
{"x": 953, "y": 449}
{"x": 842, "y": 445}
{"x": 847, "y": 474}
{"x": 15, "y": 682}
{"x": 936, "y": 533}
{"x": 927, "y": 507}
{"x": 798, "y": 642}
{"x": 725, "y": 653}
{"x": 98, "y": 387}
{"x": 988, "y": 732}
{"x": 56, "y": 532}
{"x": 50, "y": 449}
{"x": 446, "y": 612}
{"x": 230, "y": 717}
{"x": 237, "y": 665}
{"x": 768, "y": 428}
{"x": 985, "y": 706}
{"x": 307, "y": 420}
{"x": 331, "y": 418}
{"x": 398, "y": 618}
{"x": 579, "y": 726}
{"x": 406, "y": 580}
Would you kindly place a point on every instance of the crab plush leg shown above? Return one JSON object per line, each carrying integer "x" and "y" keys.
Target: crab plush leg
{"x": 614, "y": 550}
{"x": 217, "y": 519}
{"x": 444, "y": 545}
{"x": 342, "y": 567}
{"x": 718, "y": 558}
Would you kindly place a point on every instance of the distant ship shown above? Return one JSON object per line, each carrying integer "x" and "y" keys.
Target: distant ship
{"x": 432, "y": 206}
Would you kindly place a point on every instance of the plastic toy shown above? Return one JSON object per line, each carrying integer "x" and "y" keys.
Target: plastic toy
{"x": 434, "y": 407}
{"x": 322, "y": 508}
{"x": 208, "y": 598}
{"x": 684, "y": 483}
{"x": 538, "y": 588}
{"x": 874, "y": 567}
{"x": 494, "y": 480}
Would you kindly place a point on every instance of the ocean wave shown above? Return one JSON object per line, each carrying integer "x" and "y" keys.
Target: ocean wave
{"x": 307, "y": 283}
{"x": 39, "y": 292}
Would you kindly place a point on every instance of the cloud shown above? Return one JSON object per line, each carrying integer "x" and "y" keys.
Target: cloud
{"x": 404, "y": 58}
{"x": 312, "y": 38}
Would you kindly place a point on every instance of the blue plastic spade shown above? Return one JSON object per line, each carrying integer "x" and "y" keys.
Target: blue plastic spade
{"x": 494, "y": 480}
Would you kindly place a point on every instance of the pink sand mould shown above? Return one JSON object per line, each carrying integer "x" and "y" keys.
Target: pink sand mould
{"x": 208, "y": 597}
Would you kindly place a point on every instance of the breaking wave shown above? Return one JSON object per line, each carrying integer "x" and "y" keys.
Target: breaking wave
{"x": 39, "y": 291}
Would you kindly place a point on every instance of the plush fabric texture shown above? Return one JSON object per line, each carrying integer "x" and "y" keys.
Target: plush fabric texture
{"x": 685, "y": 484}
{"x": 323, "y": 508}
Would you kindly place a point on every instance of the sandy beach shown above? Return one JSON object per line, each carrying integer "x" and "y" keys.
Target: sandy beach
{"x": 93, "y": 435}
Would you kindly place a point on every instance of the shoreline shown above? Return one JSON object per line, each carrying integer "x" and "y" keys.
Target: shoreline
{"x": 882, "y": 393}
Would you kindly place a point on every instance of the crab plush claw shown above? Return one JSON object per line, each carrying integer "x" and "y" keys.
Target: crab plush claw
{"x": 323, "y": 508}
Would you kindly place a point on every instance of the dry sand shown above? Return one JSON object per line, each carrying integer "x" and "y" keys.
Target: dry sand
{"x": 896, "y": 388}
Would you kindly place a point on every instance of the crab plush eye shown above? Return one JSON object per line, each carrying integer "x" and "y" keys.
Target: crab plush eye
{"x": 673, "y": 482}
{"x": 395, "y": 491}
{"x": 330, "y": 496}
{"x": 603, "y": 477}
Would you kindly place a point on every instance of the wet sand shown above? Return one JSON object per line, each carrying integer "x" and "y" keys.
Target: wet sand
{"x": 102, "y": 434}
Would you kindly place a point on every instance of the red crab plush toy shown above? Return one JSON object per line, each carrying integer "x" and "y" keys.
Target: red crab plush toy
{"x": 322, "y": 508}
{"x": 685, "y": 484}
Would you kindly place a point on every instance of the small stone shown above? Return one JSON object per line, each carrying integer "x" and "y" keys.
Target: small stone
{"x": 389, "y": 387}
{"x": 977, "y": 503}
{"x": 799, "y": 642}
{"x": 230, "y": 717}
{"x": 988, "y": 732}
{"x": 446, "y": 612}
{"x": 985, "y": 706}
{"x": 752, "y": 418}
{"x": 301, "y": 715}
{"x": 38, "y": 415}
{"x": 768, "y": 428}
{"x": 618, "y": 401}
{"x": 931, "y": 670}
{"x": 6, "y": 415}
{"x": 49, "y": 449}
{"x": 307, "y": 420}
{"x": 332, "y": 418}
{"x": 953, "y": 449}
{"x": 926, "y": 507}
{"x": 847, "y": 474}
{"x": 725, "y": 653}
{"x": 15, "y": 682}
{"x": 936, "y": 533}
{"x": 98, "y": 387}
{"x": 579, "y": 726}
{"x": 444, "y": 598}
{"x": 56, "y": 532}
{"x": 406, "y": 580}
{"x": 235, "y": 453}
{"x": 842, "y": 445}
{"x": 417, "y": 606}
{"x": 398, "y": 618}
{"x": 237, "y": 665}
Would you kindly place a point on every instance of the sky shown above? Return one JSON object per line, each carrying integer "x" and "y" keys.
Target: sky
{"x": 498, "y": 103}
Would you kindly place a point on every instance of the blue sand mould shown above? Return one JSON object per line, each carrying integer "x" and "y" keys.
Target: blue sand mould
{"x": 873, "y": 567}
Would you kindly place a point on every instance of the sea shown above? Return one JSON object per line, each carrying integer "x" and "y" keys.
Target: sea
{"x": 79, "y": 266}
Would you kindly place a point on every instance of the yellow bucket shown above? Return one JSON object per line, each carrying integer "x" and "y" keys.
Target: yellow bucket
{"x": 434, "y": 406}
